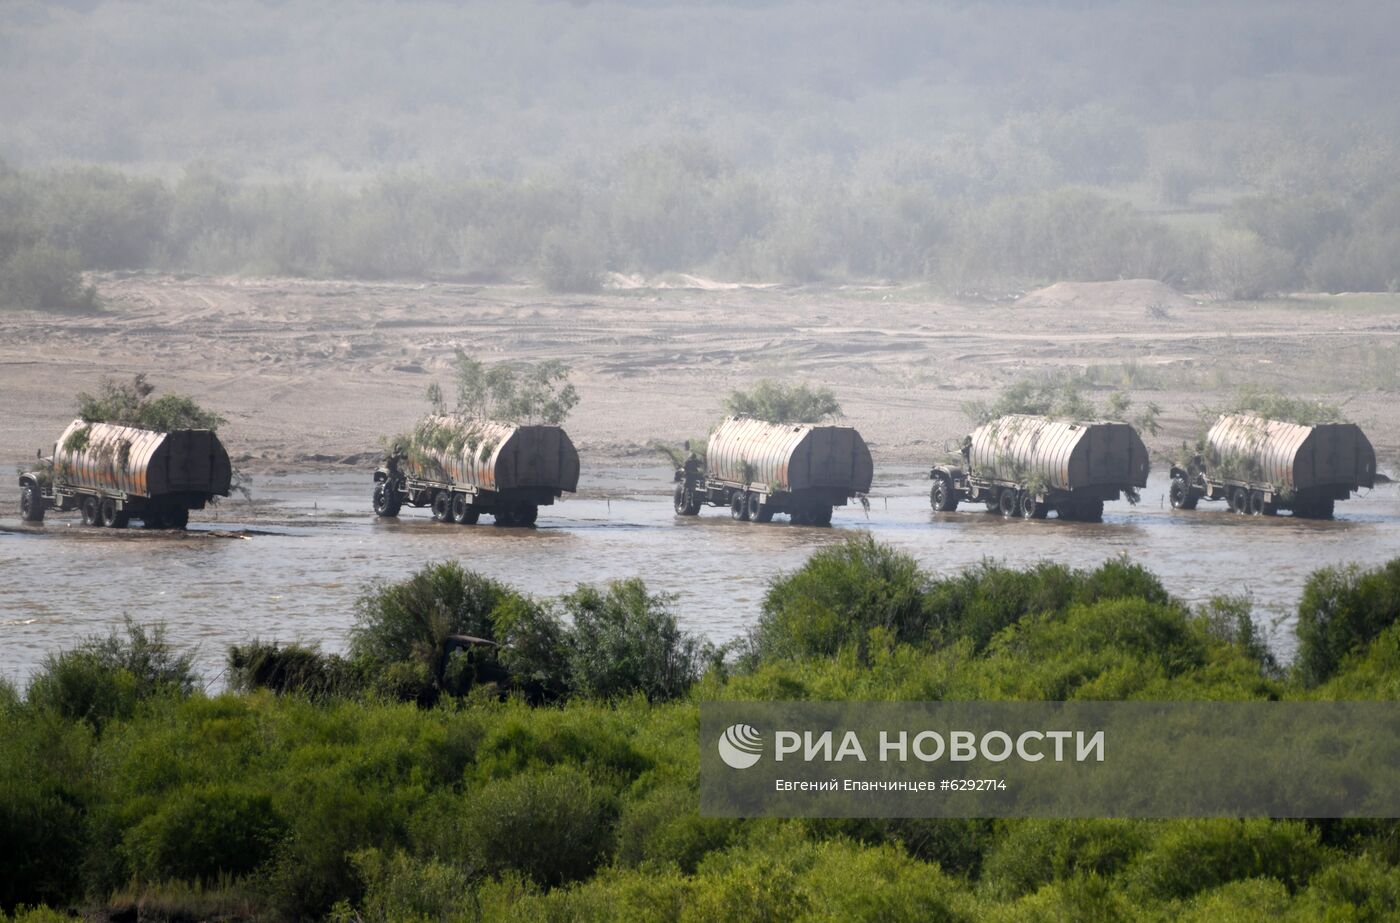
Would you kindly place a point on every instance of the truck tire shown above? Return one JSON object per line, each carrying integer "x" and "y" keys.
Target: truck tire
{"x": 680, "y": 500}
{"x": 31, "y": 503}
{"x": 1031, "y": 508}
{"x": 1007, "y": 503}
{"x": 527, "y": 515}
{"x": 1316, "y": 509}
{"x": 822, "y": 516}
{"x": 177, "y": 518}
{"x": 765, "y": 513}
{"x": 739, "y": 507}
{"x": 505, "y": 517}
{"x": 1239, "y": 501}
{"x": 1256, "y": 503}
{"x": 92, "y": 513}
{"x": 800, "y": 517}
{"x": 387, "y": 502}
{"x": 993, "y": 506}
{"x": 941, "y": 495}
{"x": 461, "y": 507}
{"x": 442, "y": 506}
{"x": 1181, "y": 495}
{"x": 755, "y": 508}
{"x": 113, "y": 518}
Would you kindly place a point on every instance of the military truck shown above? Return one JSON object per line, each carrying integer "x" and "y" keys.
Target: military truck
{"x": 759, "y": 469}
{"x": 460, "y": 468}
{"x": 114, "y": 473}
{"x": 1030, "y": 466}
{"x": 1261, "y": 466}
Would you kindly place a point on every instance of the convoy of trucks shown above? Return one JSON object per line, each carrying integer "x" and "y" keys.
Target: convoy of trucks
{"x": 112, "y": 474}
{"x": 1017, "y": 465}
{"x": 1262, "y": 466}
{"x": 1030, "y": 466}
{"x": 461, "y": 468}
{"x": 760, "y": 469}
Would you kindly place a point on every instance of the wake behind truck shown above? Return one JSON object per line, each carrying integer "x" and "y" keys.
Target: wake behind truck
{"x": 113, "y": 474}
{"x": 461, "y": 468}
{"x": 1261, "y": 466}
{"x": 760, "y": 469}
{"x": 1030, "y": 466}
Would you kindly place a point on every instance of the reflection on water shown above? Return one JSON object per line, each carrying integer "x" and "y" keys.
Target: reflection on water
{"x": 291, "y": 567}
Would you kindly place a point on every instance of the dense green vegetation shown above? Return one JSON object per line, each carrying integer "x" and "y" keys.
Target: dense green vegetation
{"x": 130, "y": 404}
{"x": 1061, "y": 396}
{"x": 779, "y": 403}
{"x": 361, "y": 801}
{"x": 980, "y": 147}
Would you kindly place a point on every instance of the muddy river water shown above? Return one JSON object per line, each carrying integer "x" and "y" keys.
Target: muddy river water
{"x": 290, "y": 565}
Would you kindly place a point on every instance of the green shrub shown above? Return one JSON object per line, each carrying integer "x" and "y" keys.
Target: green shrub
{"x": 291, "y": 668}
{"x": 1190, "y": 856}
{"x": 665, "y": 826}
{"x": 130, "y": 404}
{"x": 571, "y": 261}
{"x": 410, "y": 622}
{"x": 534, "y": 649}
{"x": 45, "y": 277}
{"x": 776, "y": 402}
{"x": 626, "y": 640}
{"x": 105, "y": 678}
{"x": 400, "y": 889}
{"x": 200, "y": 833}
{"x": 550, "y": 825}
{"x": 1363, "y": 888}
{"x": 834, "y": 600}
{"x": 45, "y": 792}
{"x": 1035, "y": 852}
{"x": 1342, "y": 610}
{"x": 332, "y": 819}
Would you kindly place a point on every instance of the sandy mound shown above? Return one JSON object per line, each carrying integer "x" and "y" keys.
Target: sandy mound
{"x": 620, "y": 281}
{"x": 1138, "y": 294}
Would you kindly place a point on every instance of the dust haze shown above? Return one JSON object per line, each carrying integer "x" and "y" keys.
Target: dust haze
{"x": 299, "y": 212}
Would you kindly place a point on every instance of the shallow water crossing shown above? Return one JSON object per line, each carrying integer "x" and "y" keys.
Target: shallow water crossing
{"x": 290, "y": 565}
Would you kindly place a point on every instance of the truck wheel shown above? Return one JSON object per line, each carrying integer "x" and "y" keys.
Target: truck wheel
{"x": 505, "y": 517}
{"x": 1239, "y": 501}
{"x": 177, "y": 518}
{"x": 799, "y": 518}
{"x": 113, "y": 518}
{"x": 739, "y": 507}
{"x": 822, "y": 516}
{"x": 31, "y": 503}
{"x": 460, "y": 507}
{"x": 1031, "y": 508}
{"x": 471, "y": 517}
{"x": 1007, "y": 503}
{"x": 942, "y": 497}
{"x": 993, "y": 506}
{"x": 1181, "y": 495}
{"x": 765, "y": 513}
{"x": 442, "y": 506}
{"x": 755, "y": 508}
{"x": 685, "y": 501}
{"x": 386, "y": 500}
{"x": 527, "y": 516}
{"x": 1256, "y": 503}
{"x": 92, "y": 513}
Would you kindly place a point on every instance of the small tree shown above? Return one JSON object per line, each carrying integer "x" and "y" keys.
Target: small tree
{"x": 529, "y": 392}
{"x": 130, "y": 404}
{"x": 778, "y": 403}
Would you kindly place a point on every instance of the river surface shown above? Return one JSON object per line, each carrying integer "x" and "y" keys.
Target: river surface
{"x": 289, "y": 565}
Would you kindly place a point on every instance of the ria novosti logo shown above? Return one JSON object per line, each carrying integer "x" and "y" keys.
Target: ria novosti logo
{"x": 740, "y": 746}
